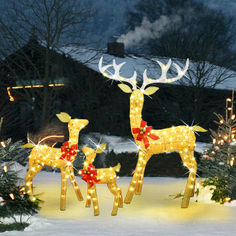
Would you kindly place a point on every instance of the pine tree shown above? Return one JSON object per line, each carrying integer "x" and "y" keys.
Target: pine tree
{"x": 14, "y": 202}
{"x": 218, "y": 162}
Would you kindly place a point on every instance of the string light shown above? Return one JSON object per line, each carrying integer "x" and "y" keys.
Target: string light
{"x": 22, "y": 190}
{"x": 232, "y": 161}
{"x": 44, "y": 155}
{"x": 227, "y": 199}
{"x": 11, "y": 98}
{"x": 181, "y": 138}
{"x": 100, "y": 176}
{"x": 12, "y": 196}
{"x": 2, "y": 144}
{"x": 5, "y": 169}
{"x": 50, "y": 136}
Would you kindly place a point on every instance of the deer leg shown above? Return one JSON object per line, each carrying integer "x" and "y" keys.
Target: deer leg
{"x": 120, "y": 204}
{"x": 95, "y": 200}
{"x": 64, "y": 177}
{"x": 89, "y": 196}
{"x": 193, "y": 175}
{"x": 115, "y": 191}
{"x": 138, "y": 189}
{"x": 139, "y": 184}
{"x": 75, "y": 185}
{"x": 191, "y": 164}
{"x": 136, "y": 176}
{"x": 33, "y": 170}
{"x": 131, "y": 189}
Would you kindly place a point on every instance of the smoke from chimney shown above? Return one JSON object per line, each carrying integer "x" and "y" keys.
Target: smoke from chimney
{"x": 148, "y": 30}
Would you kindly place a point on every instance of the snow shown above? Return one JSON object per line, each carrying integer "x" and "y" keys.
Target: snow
{"x": 201, "y": 147}
{"x": 114, "y": 143}
{"x": 91, "y": 57}
{"x": 155, "y": 212}
{"x": 119, "y": 144}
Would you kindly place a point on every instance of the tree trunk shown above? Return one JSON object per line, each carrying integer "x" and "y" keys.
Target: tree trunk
{"x": 46, "y": 97}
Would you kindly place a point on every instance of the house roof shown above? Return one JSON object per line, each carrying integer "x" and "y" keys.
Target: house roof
{"x": 138, "y": 63}
{"x": 91, "y": 57}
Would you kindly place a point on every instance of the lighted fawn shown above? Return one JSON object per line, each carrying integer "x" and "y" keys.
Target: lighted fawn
{"x": 100, "y": 176}
{"x": 150, "y": 141}
{"x": 62, "y": 158}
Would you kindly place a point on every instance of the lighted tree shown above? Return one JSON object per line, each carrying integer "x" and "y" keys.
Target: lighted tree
{"x": 14, "y": 202}
{"x": 218, "y": 162}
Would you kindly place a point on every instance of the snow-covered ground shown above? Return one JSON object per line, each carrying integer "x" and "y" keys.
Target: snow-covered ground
{"x": 119, "y": 144}
{"x": 155, "y": 212}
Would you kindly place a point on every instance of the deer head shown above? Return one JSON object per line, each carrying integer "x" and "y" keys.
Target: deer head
{"x": 74, "y": 125}
{"x": 91, "y": 153}
{"x": 146, "y": 81}
{"x": 137, "y": 94}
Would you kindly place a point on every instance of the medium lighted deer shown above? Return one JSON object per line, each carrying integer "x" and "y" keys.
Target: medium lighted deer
{"x": 148, "y": 140}
{"x": 57, "y": 157}
{"x": 100, "y": 176}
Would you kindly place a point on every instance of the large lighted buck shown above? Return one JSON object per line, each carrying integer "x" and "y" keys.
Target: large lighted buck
{"x": 150, "y": 141}
{"x": 62, "y": 158}
{"x": 100, "y": 176}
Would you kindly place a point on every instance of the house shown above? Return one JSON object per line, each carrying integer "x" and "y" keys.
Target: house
{"x": 193, "y": 99}
{"x": 76, "y": 86}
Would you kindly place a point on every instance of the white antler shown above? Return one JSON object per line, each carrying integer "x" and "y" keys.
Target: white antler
{"x": 163, "y": 78}
{"x": 116, "y": 76}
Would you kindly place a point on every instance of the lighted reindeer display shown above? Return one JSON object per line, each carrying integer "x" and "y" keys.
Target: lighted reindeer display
{"x": 57, "y": 157}
{"x": 100, "y": 176}
{"x": 148, "y": 140}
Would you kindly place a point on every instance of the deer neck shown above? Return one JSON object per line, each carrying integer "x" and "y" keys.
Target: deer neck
{"x": 90, "y": 156}
{"x": 89, "y": 160}
{"x": 74, "y": 128}
{"x": 86, "y": 164}
{"x": 136, "y": 107}
{"x": 73, "y": 137}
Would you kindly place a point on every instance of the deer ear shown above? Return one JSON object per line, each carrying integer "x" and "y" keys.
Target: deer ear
{"x": 101, "y": 148}
{"x": 150, "y": 90}
{"x": 125, "y": 88}
{"x": 28, "y": 145}
{"x": 63, "y": 117}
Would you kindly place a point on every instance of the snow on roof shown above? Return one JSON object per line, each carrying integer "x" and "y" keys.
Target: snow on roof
{"x": 90, "y": 58}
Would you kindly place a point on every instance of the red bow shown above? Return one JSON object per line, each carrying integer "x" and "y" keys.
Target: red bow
{"x": 144, "y": 132}
{"x": 89, "y": 175}
{"x": 68, "y": 151}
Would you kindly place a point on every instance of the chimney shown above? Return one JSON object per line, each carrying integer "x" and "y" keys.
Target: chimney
{"x": 116, "y": 49}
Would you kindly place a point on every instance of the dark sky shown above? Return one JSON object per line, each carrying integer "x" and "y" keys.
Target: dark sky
{"x": 110, "y": 16}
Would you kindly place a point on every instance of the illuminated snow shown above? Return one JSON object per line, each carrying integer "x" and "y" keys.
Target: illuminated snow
{"x": 154, "y": 212}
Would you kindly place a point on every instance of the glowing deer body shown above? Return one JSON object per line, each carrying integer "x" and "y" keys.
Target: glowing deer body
{"x": 104, "y": 176}
{"x": 43, "y": 155}
{"x": 149, "y": 141}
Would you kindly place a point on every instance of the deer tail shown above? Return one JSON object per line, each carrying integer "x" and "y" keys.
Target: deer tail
{"x": 198, "y": 128}
{"x": 116, "y": 168}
